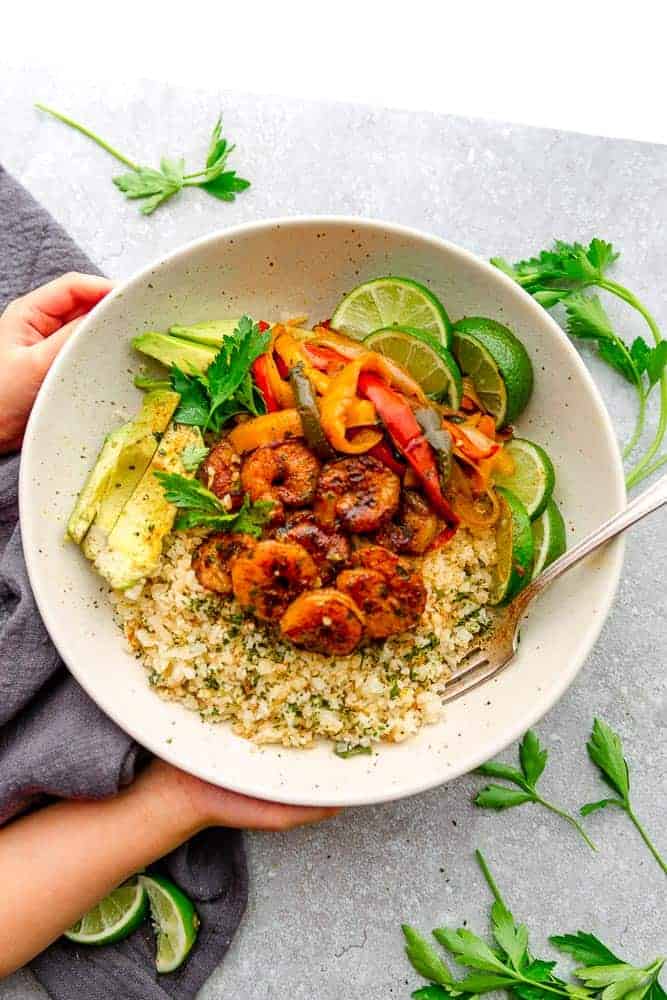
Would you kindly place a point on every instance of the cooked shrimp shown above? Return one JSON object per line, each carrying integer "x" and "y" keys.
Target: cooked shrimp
{"x": 360, "y": 493}
{"x": 286, "y": 475}
{"x": 390, "y": 593}
{"x": 323, "y": 621}
{"x": 220, "y": 472}
{"x": 414, "y": 527}
{"x": 330, "y": 549}
{"x": 212, "y": 560}
{"x": 268, "y": 578}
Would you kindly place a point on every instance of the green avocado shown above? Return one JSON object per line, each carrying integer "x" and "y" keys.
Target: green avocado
{"x": 134, "y": 545}
{"x": 189, "y": 357}
{"x": 120, "y": 464}
{"x": 211, "y": 333}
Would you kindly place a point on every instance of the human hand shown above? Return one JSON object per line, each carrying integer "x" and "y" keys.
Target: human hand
{"x": 207, "y": 805}
{"x": 33, "y": 328}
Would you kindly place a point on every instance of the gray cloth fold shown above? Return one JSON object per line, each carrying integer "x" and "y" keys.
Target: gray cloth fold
{"x": 54, "y": 741}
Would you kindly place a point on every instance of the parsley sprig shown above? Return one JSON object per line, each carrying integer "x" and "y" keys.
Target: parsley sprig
{"x": 210, "y": 399}
{"x": 153, "y": 187}
{"x": 562, "y": 275}
{"x": 533, "y": 759}
{"x": 509, "y": 965}
{"x": 201, "y": 508}
{"x": 606, "y": 751}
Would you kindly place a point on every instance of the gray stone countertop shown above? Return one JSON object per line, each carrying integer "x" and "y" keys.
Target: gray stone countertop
{"x": 326, "y": 903}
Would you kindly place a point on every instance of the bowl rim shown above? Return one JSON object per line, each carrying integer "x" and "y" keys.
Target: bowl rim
{"x": 616, "y": 549}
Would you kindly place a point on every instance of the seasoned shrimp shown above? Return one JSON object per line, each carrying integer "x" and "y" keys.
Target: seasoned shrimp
{"x": 390, "y": 593}
{"x": 220, "y": 472}
{"x": 360, "y": 493}
{"x": 323, "y": 621}
{"x": 286, "y": 475}
{"x": 414, "y": 527}
{"x": 269, "y": 577}
{"x": 330, "y": 549}
{"x": 212, "y": 560}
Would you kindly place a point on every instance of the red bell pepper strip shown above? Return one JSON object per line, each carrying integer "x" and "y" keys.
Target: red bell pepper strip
{"x": 263, "y": 327}
{"x": 261, "y": 377}
{"x": 384, "y": 454}
{"x": 405, "y": 432}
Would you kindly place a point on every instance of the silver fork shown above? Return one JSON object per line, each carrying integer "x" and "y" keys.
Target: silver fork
{"x": 488, "y": 659}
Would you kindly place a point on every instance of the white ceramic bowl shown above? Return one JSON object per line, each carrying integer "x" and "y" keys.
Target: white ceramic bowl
{"x": 276, "y": 269}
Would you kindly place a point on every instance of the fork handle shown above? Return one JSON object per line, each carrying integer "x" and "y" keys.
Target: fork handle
{"x": 648, "y": 501}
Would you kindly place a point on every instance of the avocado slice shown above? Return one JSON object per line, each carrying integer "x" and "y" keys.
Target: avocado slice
{"x": 134, "y": 546}
{"x": 170, "y": 350}
{"x": 211, "y": 333}
{"x": 125, "y": 455}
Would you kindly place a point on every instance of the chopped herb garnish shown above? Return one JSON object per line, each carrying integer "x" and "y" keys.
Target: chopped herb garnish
{"x": 202, "y": 508}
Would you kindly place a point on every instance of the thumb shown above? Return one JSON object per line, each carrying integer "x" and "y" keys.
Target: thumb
{"x": 45, "y": 351}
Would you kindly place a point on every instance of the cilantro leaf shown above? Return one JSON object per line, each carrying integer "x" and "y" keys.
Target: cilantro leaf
{"x": 533, "y": 758}
{"x": 605, "y": 749}
{"x": 499, "y": 797}
{"x": 193, "y": 456}
{"x": 424, "y": 958}
{"x": 657, "y": 362}
{"x": 469, "y": 949}
{"x": 585, "y": 948}
{"x": 194, "y": 407}
{"x": 154, "y": 187}
{"x": 511, "y": 938}
{"x": 431, "y": 993}
{"x": 230, "y": 368}
{"x": 587, "y": 319}
{"x": 201, "y": 508}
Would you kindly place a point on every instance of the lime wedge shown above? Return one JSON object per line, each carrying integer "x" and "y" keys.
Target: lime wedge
{"x": 533, "y": 478}
{"x": 114, "y": 918}
{"x": 514, "y": 543}
{"x": 498, "y": 364}
{"x": 174, "y": 919}
{"x": 549, "y": 538}
{"x": 423, "y": 357}
{"x": 391, "y": 302}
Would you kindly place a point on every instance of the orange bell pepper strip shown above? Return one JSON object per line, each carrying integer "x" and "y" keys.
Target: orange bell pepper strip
{"x": 269, "y": 429}
{"x": 335, "y": 408}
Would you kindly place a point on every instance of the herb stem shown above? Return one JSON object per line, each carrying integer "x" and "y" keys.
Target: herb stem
{"x": 645, "y": 837}
{"x": 566, "y": 816}
{"x": 639, "y": 424}
{"x": 640, "y": 471}
{"x": 490, "y": 881}
{"x": 90, "y": 135}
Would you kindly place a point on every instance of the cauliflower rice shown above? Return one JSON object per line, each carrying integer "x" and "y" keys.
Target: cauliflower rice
{"x": 200, "y": 650}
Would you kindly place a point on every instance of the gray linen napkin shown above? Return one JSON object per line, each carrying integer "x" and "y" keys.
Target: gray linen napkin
{"x": 54, "y": 741}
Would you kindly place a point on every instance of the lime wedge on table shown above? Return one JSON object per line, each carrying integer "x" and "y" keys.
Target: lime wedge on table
{"x": 533, "y": 478}
{"x": 514, "y": 542}
{"x": 549, "y": 538}
{"x": 388, "y": 302}
{"x": 424, "y": 357}
{"x": 175, "y": 921}
{"x": 114, "y": 918}
{"x": 498, "y": 364}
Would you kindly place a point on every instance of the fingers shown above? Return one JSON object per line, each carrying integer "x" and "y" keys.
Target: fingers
{"x": 66, "y": 298}
{"x": 232, "y": 809}
{"x": 45, "y": 351}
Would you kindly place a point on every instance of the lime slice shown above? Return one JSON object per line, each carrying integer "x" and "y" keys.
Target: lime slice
{"x": 424, "y": 357}
{"x": 533, "y": 478}
{"x": 391, "y": 302}
{"x": 114, "y": 918}
{"x": 174, "y": 919}
{"x": 498, "y": 364}
{"x": 549, "y": 538}
{"x": 514, "y": 542}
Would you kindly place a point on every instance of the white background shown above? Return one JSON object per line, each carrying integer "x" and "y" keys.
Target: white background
{"x": 587, "y": 65}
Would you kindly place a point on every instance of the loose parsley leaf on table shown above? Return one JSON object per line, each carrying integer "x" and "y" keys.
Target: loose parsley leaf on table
{"x": 606, "y": 751}
{"x": 561, "y": 275}
{"x": 209, "y": 400}
{"x": 201, "y": 508}
{"x": 533, "y": 759}
{"x": 508, "y": 964}
{"x": 154, "y": 187}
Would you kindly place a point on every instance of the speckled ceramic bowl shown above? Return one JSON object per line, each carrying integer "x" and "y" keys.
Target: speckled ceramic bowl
{"x": 284, "y": 268}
